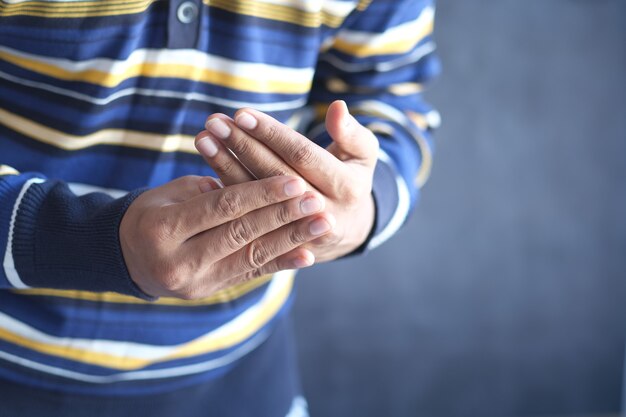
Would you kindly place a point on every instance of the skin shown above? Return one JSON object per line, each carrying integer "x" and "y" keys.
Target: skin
{"x": 341, "y": 174}
{"x": 190, "y": 238}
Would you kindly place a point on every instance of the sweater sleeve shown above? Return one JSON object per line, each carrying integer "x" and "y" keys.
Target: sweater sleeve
{"x": 379, "y": 62}
{"x": 51, "y": 237}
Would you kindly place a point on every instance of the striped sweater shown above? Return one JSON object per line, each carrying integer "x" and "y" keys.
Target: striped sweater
{"x": 101, "y": 99}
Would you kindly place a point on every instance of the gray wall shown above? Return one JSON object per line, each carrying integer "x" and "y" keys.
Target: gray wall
{"x": 505, "y": 294}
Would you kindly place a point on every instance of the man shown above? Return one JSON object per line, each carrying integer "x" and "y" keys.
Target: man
{"x": 135, "y": 282}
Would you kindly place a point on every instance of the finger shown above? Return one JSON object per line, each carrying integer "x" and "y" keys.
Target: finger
{"x": 258, "y": 158}
{"x": 351, "y": 140}
{"x": 312, "y": 162}
{"x": 228, "y": 238}
{"x": 189, "y": 186}
{"x": 295, "y": 259}
{"x": 209, "y": 184}
{"x": 274, "y": 244}
{"x": 223, "y": 162}
{"x": 211, "y": 209}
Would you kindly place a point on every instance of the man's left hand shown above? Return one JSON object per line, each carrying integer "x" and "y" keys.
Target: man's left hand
{"x": 342, "y": 173}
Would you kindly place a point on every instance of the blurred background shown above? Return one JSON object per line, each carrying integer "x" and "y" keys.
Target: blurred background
{"x": 505, "y": 294}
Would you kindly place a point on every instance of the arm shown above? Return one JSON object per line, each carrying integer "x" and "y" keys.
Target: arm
{"x": 51, "y": 238}
{"x": 377, "y": 64}
{"x": 187, "y": 238}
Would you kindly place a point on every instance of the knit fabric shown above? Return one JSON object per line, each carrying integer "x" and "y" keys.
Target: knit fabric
{"x": 101, "y": 100}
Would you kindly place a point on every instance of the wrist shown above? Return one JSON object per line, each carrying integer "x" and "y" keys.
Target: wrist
{"x": 65, "y": 241}
{"x": 361, "y": 230}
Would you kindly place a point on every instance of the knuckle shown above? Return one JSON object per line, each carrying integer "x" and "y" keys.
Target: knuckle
{"x": 189, "y": 180}
{"x": 272, "y": 133}
{"x": 171, "y": 279}
{"x": 226, "y": 166}
{"x": 328, "y": 239}
{"x": 189, "y": 293}
{"x": 250, "y": 275}
{"x": 162, "y": 229}
{"x": 242, "y": 145}
{"x": 297, "y": 236}
{"x": 256, "y": 256}
{"x": 277, "y": 171}
{"x": 228, "y": 204}
{"x": 158, "y": 227}
{"x": 182, "y": 182}
{"x": 283, "y": 214}
{"x": 239, "y": 232}
{"x": 303, "y": 156}
{"x": 190, "y": 266}
{"x": 272, "y": 191}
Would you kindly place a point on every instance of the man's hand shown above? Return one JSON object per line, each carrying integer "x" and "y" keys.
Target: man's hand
{"x": 191, "y": 237}
{"x": 342, "y": 173}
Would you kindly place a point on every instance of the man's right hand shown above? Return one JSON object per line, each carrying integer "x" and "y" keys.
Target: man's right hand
{"x": 190, "y": 237}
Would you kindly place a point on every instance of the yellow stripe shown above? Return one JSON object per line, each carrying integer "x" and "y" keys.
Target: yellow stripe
{"x": 78, "y": 355}
{"x": 418, "y": 118}
{"x": 268, "y": 11}
{"x": 396, "y": 47}
{"x": 7, "y": 170}
{"x": 381, "y": 128}
{"x": 363, "y": 4}
{"x": 405, "y": 89}
{"x": 423, "y": 174}
{"x": 245, "y": 7}
{"x": 277, "y": 12}
{"x": 112, "y": 8}
{"x": 210, "y": 344}
{"x": 202, "y": 345}
{"x": 188, "y": 72}
{"x": 338, "y": 86}
{"x": 320, "y": 109}
{"x": 223, "y": 296}
{"x": 119, "y": 137}
{"x": 68, "y": 4}
{"x": 427, "y": 158}
{"x": 75, "y": 10}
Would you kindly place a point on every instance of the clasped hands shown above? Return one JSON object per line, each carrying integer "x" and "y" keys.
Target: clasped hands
{"x": 282, "y": 202}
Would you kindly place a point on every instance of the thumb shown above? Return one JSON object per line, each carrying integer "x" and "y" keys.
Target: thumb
{"x": 351, "y": 140}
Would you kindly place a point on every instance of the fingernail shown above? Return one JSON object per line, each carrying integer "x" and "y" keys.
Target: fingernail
{"x": 347, "y": 117}
{"x": 246, "y": 120}
{"x": 310, "y": 205}
{"x": 294, "y": 188}
{"x": 218, "y": 128}
{"x": 207, "y": 147}
{"x": 207, "y": 185}
{"x": 301, "y": 263}
{"x": 319, "y": 226}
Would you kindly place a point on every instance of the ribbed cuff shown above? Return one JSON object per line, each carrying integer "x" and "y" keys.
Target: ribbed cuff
{"x": 67, "y": 242}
